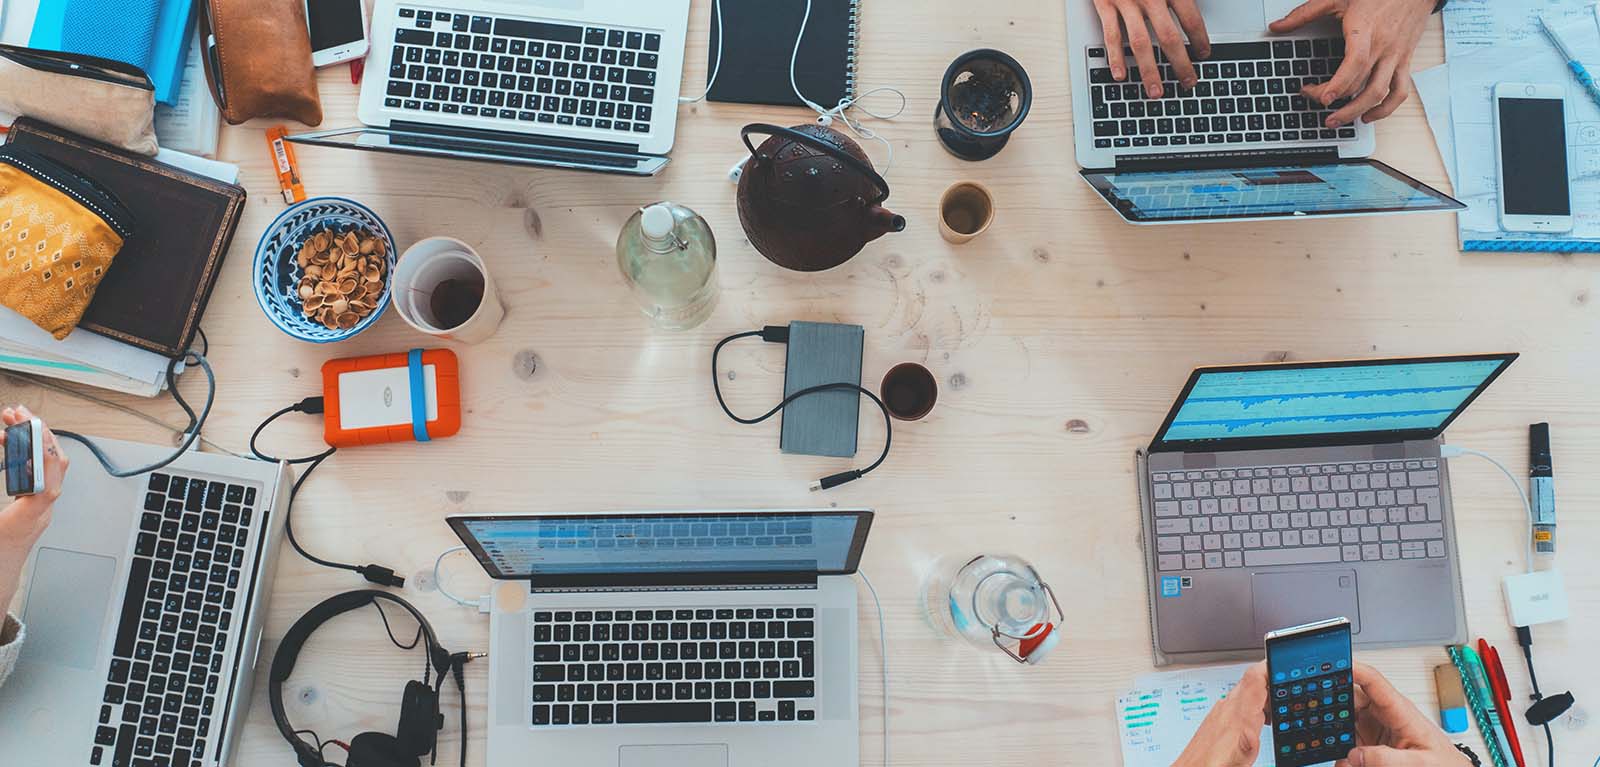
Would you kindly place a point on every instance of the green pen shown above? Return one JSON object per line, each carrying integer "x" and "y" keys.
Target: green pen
{"x": 1485, "y": 696}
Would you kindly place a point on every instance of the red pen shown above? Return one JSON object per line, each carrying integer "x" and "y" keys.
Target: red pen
{"x": 1502, "y": 694}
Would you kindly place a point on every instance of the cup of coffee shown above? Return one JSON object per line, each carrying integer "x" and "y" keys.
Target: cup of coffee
{"x": 909, "y": 391}
{"x": 442, "y": 288}
{"x": 965, "y": 210}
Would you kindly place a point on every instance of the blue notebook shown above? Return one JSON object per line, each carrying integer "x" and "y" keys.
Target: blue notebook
{"x": 152, "y": 35}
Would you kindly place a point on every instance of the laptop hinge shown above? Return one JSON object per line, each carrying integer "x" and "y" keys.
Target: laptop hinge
{"x": 707, "y": 581}
{"x": 508, "y": 137}
{"x": 1233, "y": 158}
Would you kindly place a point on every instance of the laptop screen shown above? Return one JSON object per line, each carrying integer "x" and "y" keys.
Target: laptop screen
{"x": 1295, "y": 189}
{"x": 1379, "y": 400}
{"x": 624, "y": 545}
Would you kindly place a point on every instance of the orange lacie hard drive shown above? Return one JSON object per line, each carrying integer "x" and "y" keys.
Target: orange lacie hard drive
{"x": 391, "y": 398}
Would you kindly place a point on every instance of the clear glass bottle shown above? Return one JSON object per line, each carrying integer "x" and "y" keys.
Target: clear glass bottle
{"x": 669, "y": 258}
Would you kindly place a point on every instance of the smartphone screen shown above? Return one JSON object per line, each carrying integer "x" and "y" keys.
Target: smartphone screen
{"x": 1310, "y": 695}
{"x": 334, "y": 23}
{"x": 19, "y": 459}
{"x": 1533, "y": 157}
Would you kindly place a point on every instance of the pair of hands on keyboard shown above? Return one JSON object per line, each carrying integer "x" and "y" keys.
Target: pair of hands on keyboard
{"x": 1390, "y": 730}
{"x": 25, "y": 518}
{"x": 1380, "y": 36}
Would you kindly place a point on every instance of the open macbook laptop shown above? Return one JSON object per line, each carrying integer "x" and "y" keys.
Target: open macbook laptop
{"x": 590, "y": 85}
{"x": 1279, "y": 494}
{"x": 144, "y": 603}
{"x": 673, "y": 638}
{"x": 1243, "y": 143}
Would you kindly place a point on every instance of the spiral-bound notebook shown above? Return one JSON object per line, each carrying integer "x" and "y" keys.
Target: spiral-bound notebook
{"x": 760, "y": 36}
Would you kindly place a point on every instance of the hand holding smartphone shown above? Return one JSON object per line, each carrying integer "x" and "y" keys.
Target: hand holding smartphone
{"x": 25, "y": 458}
{"x": 1311, "y": 695}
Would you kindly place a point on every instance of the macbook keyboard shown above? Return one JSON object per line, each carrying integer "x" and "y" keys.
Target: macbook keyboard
{"x": 1291, "y": 515}
{"x": 172, "y": 637}
{"x": 521, "y": 71}
{"x": 596, "y": 667}
{"x": 1248, "y": 93}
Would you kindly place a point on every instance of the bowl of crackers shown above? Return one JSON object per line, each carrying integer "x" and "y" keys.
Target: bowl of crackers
{"x": 323, "y": 268}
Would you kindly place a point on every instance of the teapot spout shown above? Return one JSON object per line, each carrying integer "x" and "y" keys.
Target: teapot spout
{"x": 880, "y": 221}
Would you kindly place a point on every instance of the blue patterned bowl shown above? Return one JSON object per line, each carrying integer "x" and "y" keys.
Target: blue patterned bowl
{"x": 277, "y": 272}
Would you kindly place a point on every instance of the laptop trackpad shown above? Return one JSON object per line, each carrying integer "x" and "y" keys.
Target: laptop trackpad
{"x": 1281, "y": 600}
{"x": 710, "y": 755}
{"x": 67, "y": 599}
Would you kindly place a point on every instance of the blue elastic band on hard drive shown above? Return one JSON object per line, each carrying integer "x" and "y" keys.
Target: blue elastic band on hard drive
{"x": 419, "y": 397}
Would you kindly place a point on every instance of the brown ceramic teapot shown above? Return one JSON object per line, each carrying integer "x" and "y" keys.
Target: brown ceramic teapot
{"x": 809, "y": 198}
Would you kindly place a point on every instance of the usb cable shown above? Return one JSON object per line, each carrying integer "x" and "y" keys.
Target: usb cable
{"x": 779, "y": 334}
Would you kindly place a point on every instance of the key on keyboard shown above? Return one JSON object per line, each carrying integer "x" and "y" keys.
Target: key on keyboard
{"x": 1248, "y": 93}
{"x": 176, "y": 622}
{"x": 1291, "y": 515}
{"x": 674, "y": 666}
{"x": 524, "y": 71}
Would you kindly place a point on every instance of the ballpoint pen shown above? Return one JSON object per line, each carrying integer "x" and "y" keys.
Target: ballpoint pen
{"x": 1502, "y": 695}
{"x": 1578, "y": 71}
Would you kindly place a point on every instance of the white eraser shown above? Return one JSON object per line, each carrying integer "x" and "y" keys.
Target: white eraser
{"x": 1535, "y": 598}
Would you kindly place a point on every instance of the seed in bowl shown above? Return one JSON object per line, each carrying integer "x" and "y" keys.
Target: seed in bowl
{"x": 342, "y": 276}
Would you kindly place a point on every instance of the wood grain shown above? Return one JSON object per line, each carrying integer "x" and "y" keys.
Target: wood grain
{"x": 1059, "y": 339}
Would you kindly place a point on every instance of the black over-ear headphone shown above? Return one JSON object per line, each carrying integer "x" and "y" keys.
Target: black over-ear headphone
{"x": 420, "y": 720}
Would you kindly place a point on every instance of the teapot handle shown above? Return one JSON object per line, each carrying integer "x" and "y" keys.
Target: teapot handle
{"x": 822, "y": 146}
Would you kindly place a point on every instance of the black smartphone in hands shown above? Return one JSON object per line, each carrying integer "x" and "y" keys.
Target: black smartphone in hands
{"x": 1310, "y": 695}
{"x": 25, "y": 458}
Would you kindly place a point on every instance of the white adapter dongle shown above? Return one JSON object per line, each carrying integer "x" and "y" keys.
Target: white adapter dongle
{"x": 1535, "y": 598}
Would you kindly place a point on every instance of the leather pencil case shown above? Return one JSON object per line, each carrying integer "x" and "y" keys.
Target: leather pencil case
{"x": 258, "y": 60}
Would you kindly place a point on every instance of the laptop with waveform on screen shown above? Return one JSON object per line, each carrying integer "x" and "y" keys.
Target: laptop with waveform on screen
{"x": 1283, "y": 493}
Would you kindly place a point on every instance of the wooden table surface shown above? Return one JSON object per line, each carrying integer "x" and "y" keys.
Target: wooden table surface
{"x": 1059, "y": 339}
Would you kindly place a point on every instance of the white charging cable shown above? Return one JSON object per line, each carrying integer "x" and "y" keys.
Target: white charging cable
{"x": 883, "y": 649}
{"x": 1451, "y": 451}
{"x": 712, "y": 80}
{"x": 438, "y": 582}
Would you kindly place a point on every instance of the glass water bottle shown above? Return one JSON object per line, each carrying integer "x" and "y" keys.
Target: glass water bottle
{"x": 669, "y": 258}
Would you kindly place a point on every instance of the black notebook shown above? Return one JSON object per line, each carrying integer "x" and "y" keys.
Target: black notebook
{"x": 760, "y": 39}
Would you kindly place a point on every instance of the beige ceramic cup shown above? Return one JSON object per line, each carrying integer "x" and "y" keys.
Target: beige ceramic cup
{"x": 966, "y": 210}
{"x": 427, "y": 264}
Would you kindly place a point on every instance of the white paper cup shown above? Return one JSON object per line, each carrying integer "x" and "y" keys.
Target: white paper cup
{"x": 420, "y": 270}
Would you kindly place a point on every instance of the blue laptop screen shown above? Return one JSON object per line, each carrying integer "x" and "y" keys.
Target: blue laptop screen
{"x": 656, "y": 543}
{"x": 1151, "y": 196}
{"x": 1324, "y": 400}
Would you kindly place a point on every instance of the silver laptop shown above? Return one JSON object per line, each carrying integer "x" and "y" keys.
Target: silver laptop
{"x": 590, "y": 85}
{"x": 1242, "y": 144}
{"x": 681, "y": 638}
{"x": 144, "y": 604}
{"x": 1279, "y": 494}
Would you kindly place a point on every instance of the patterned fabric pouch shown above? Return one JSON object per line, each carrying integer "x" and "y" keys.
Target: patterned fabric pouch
{"x": 58, "y": 234}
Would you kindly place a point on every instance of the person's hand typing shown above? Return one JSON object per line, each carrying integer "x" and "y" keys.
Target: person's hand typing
{"x": 1140, "y": 17}
{"x": 1392, "y": 732}
{"x": 1230, "y": 736}
{"x": 1379, "y": 38}
{"x": 25, "y": 518}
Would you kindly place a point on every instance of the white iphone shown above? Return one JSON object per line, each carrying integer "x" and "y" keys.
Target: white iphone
{"x": 1530, "y": 126}
{"x": 338, "y": 30}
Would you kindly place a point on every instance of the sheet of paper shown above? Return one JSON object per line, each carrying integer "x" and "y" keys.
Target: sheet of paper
{"x": 1474, "y": 25}
{"x": 225, "y": 172}
{"x": 1162, "y": 712}
{"x": 1433, "y": 90}
{"x": 1472, "y": 78}
{"x": 16, "y": 20}
{"x": 84, "y": 348}
{"x": 192, "y": 124}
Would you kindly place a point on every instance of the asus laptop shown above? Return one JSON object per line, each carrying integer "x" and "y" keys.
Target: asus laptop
{"x": 590, "y": 85}
{"x": 678, "y": 638}
{"x": 1280, "y": 494}
{"x": 1243, "y": 144}
{"x": 144, "y": 604}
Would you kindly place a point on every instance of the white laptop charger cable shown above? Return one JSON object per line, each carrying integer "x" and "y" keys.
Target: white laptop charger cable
{"x": 481, "y": 604}
{"x": 1451, "y": 451}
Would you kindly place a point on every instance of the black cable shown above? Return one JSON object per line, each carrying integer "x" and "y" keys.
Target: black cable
{"x": 382, "y": 576}
{"x": 390, "y": 631}
{"x": 196, "y": 421}
{"x": 780, "y": 334}
{"x": 1525, "y": 639}
{"x": 205, "y": 343}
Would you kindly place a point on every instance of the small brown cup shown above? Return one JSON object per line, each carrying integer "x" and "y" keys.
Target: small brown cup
{"x": 966, "y": 210}
{"x": 909, "y": 391}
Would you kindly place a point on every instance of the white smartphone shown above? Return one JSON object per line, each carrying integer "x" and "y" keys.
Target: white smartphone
{"x": 338, "y": 30}
{"x": 25, "y": 458}
{"x": 1530, "y": 127}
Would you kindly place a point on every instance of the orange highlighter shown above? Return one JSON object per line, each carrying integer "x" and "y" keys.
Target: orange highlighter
{"x": 284, "y": 163}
